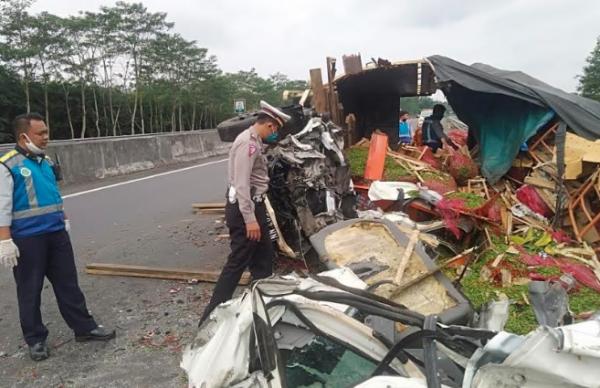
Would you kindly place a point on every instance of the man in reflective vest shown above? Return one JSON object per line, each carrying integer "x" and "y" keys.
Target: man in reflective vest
{"x": 34, "y": 238}
{"x": 404, "y": 129}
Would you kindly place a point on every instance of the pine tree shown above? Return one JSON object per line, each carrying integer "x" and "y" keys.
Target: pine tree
{"x": 589, "y": 82}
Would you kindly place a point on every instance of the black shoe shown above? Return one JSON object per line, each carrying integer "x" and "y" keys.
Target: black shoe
{"x": 39, "y": 351}
{"x": 100, "y": 333}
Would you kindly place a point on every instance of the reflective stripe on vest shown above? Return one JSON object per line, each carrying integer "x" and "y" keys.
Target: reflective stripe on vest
{"x": 38, "y": 211}
{"x": 30, "y": 188}
{"x": 8, "y": 155}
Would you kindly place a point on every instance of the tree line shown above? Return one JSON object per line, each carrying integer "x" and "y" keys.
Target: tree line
{"x": 589, "y": 81}
{"x": 119, "y": 71}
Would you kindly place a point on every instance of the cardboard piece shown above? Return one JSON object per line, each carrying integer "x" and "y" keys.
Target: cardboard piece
{"x": 579, "y": 151}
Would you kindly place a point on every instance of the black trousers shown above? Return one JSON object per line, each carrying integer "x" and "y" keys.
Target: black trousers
{"x": 49, "y": 255}
{"x": 256, "y": 255}
{"x": 434, "y": 145}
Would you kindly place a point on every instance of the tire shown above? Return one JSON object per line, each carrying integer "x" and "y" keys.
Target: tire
{"x": 229, "y": 129}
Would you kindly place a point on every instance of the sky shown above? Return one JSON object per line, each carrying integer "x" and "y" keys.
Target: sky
{"x": 548, "y": 39}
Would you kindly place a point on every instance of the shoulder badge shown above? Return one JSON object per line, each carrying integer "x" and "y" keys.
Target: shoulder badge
{"x": 252, "y": 149}
{"x": 25, "y": 172}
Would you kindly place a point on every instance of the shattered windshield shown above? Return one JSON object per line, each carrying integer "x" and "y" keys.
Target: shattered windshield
{"x": 324, "y": 363}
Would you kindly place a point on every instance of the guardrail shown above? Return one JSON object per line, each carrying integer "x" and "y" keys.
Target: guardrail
{"x": 89, "y": 159}
{"x": 9, "y": 146}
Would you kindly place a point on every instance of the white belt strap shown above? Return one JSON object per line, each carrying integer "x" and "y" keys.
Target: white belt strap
{"x": 231, "y": 195}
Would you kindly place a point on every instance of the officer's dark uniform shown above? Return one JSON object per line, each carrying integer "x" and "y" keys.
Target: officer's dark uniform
{"x": 248, "y": 184}
{"x": 38, "y": 230}
{"x": 432, "y": 132}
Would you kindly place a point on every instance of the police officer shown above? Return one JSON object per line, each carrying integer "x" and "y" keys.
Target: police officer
{"x": 245, "y": 210}
{"x": 34, "y": 238}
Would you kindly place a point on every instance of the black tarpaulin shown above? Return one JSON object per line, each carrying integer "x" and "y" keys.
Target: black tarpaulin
{"x": 582, "y": 115}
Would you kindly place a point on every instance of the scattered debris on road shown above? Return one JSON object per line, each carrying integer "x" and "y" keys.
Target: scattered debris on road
{"x": 193, "y": 276}
{"x": 209, "y": 208}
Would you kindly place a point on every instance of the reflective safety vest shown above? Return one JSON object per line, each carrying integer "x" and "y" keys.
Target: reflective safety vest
{"x": 404, "y": 130}
{"x": 37, "y": 203}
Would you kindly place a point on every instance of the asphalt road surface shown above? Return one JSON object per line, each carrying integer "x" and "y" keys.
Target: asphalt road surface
{"x": 124, "y": 212}
{"x": 143, "y": 219}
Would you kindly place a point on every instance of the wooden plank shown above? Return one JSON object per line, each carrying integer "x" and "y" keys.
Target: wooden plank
{"x": 408, "y": 251}
{"x": 319, "y": 100}
{"x": 350, "y": 134}
{"x": 478, "y": 186}
{"x": 281, "y": 243}
{"x": 540, "y": 182}
{"x": 427, "y": 238}
{"x": 209, "y": 211}
{"x": 408, "y": 159}
{"x": 209, "y": 205}
{"x": 497, "y": 260}
{"x": 332, "y": 98}
{"x": 352, "y": 64}
{"x": 489, "y": 237}
{"x": 304, "y": 97}
{"x": 406, "y": 285}
{"x": 157, "y": 273}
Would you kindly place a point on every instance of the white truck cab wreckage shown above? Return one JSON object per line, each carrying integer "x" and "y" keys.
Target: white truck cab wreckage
{"x": 327, "y": 330}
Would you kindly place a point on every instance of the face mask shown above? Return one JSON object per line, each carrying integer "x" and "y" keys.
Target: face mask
{"x": 272, "y": 138}
{"x": 32, "y": 147}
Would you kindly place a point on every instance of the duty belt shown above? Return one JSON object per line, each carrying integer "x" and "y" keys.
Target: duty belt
{"x": 259, "y": 198}
{"x": 232, "y": 197}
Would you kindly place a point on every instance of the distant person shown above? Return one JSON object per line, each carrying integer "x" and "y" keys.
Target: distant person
{"x": 404, "y": 128}
{"x": 34, "y": 238}
{"x": 433, "y": 131}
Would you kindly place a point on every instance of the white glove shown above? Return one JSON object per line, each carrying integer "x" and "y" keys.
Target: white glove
{"x": 9, "y": 253}
{"x": 68, "y": 225}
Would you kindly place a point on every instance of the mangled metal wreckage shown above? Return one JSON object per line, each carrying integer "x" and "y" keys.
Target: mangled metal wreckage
{"x": 354, "y": 325}
{"x": 310, "y": 185}
{"x": 329, "y": 330}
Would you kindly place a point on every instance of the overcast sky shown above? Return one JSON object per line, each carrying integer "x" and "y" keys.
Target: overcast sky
{"x": 549, "y": 39}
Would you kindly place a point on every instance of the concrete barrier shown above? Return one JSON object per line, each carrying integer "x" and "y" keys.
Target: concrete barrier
{"x": 92, "y": 159}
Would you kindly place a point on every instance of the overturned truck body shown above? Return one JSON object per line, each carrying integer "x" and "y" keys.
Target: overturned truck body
{"x": 503, "y": 109}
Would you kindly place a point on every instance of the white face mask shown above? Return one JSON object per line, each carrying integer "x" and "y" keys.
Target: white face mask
{"x": 32, "y": 147}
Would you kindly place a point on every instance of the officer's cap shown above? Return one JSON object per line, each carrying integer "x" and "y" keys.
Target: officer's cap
{"x": 274, "y": 113}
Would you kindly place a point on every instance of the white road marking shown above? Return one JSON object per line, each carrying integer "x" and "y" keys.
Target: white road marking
{"x": 142, "y": 179}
